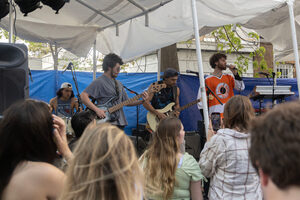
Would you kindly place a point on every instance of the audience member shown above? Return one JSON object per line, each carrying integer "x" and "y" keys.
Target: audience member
{"x": 275, "y": 151}
{"x": 104, "y": 166}
{"x": 169, "y": 174}
{"x": 79, "y": 122}
{"x": 225, "y": 158}
{"x": 27, "y": 150}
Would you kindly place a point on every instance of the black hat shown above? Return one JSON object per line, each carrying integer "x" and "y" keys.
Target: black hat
{"x": 170, "y": 73}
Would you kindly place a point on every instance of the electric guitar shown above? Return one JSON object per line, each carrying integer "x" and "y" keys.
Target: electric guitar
{"x": 153, "y": 120}
{"x": 111, "y": 108}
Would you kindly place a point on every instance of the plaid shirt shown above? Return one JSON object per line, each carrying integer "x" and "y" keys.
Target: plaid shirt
{"x": 225, "y": 159}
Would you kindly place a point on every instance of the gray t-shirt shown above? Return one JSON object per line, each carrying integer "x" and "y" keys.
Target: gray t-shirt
{"x": 103, "y": 89}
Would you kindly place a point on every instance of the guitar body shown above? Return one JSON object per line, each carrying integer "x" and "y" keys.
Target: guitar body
{"x": 105, "y": 107}
{"x": 110, "y": 108}
{"x": 153, "y": 120}
{"x": 107, "y": 118}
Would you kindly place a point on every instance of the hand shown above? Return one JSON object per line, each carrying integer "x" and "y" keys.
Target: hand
{"x": 100, "y": 113}
{"x": 145, "y": 95}
{"x": 210, "y": 131}
{"x": 233, "y": 69}
{"x": 60, "y": 137}
{"x": 176, "y": 113}
{"x": 161, "y": 115}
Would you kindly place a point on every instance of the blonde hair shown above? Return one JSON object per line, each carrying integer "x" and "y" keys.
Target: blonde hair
{"x": 105, "y": 166}
{"x": 160, "y": 160}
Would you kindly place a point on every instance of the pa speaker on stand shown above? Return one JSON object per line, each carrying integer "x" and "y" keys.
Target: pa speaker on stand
{"x": 14, "y": 84}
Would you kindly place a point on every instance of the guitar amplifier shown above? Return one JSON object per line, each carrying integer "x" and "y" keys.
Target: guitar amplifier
{"x": 195, "y": 140}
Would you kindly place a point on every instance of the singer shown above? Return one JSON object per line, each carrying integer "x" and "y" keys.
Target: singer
{"x": 221, "y": 84}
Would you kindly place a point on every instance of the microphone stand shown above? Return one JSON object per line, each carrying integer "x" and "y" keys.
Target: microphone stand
{"x": 273, "y": 86}
{"x": 273, "y": 89}
{"x": 209, "y": 90}
{"x": 137, "y": 107}
{"x": 76, "y": 86}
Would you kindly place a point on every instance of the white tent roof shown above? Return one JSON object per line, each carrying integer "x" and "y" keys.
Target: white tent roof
{"x": 76, "y": 27}
{"x": 274, "y": 26}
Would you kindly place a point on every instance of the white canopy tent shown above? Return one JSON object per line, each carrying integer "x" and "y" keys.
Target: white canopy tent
{"x": 119, "y": 26}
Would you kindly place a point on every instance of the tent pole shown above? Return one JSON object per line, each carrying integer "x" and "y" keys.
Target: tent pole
{"x": 94, "y": 61}
{"x": 158, "y": 64}
{"x": 11, "y": 23}
{"x": 294, "y": 37}
{"x": 200, "y": 65}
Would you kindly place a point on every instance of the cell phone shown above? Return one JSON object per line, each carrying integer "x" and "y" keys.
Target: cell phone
{"x": 216, "y": 121}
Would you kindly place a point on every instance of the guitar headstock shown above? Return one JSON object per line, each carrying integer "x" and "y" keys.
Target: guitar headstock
{"x": 156, "y": 87}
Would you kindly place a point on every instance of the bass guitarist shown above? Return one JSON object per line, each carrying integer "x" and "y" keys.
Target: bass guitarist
{"x": 106, "y": 88}
{"x": 165, "y": 96}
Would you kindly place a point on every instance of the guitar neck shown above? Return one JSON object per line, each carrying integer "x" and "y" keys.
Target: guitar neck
{"x": 124, "y": 103}
{"x": 188, "y": 105}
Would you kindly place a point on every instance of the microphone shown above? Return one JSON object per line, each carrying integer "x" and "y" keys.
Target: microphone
{"x": 68, "y": 67}
{"x": 228, "y": 66}
{"x": 192, "y": 72}
{"x": 264, "y": 73}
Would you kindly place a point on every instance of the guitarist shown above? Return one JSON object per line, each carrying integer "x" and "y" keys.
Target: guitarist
{"x": 165, "y": 96}
{"x": 106, "y": 87}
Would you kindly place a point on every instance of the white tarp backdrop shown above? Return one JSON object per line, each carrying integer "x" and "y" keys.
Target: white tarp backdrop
{"x": 76, "y": 27}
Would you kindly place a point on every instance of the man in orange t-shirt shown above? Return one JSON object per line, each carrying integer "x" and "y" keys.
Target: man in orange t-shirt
{"x": 221, "y": 84}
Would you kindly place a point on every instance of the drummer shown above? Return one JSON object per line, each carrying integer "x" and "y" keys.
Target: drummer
{"x": 64, "y": 104}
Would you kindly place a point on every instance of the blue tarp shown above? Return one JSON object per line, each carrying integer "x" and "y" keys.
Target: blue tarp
{"x": 46, "y": 83}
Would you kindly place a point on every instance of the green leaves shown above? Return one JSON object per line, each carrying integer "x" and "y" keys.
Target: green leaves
{"x": 229, "y": 41}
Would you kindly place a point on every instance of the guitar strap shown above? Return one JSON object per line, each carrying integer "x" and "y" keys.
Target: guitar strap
{"x": 175, "y": 93}
{"x": 117, "y": 88}
{"x": 114, "y": 116}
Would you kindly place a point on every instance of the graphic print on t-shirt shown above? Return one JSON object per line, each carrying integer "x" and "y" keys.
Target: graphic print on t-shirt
{"x": 222, "y": 90}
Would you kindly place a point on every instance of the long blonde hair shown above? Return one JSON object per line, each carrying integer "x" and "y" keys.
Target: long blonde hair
{"x": 160, "y": 160}
{"x": 104, "y": 166}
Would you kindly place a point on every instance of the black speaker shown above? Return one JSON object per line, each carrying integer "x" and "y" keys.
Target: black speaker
{"x": 192, "y": 143}
{"x": 14, "y": 83}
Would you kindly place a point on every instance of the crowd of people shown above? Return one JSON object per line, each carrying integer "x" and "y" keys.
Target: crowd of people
{"x": 249, "y": 157}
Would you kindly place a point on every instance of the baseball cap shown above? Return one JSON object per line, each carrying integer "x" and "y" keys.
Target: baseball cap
{"x": 170, "y": 73}
{"x": 66, "y": 85}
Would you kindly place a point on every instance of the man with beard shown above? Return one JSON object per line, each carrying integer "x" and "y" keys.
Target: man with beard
{"x": 106, "y": 87}
{"x": 221, "y": 84}
{"x": 165, "y": 96}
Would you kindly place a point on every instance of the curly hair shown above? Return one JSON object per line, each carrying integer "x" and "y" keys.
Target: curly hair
{"x": 110, "y": 61}
{"x": 161, "y": 159}
{"x": 215, "y": 58}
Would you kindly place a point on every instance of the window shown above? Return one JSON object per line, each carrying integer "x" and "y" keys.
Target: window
{"x": 286, "y": 70}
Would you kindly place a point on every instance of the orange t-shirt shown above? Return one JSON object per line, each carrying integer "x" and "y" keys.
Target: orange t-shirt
{"x": 222, "y": 87}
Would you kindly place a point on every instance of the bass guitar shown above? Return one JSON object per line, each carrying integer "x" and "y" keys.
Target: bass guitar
{"x": 153, "y": 120}
{"x": 111, "y": 108}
